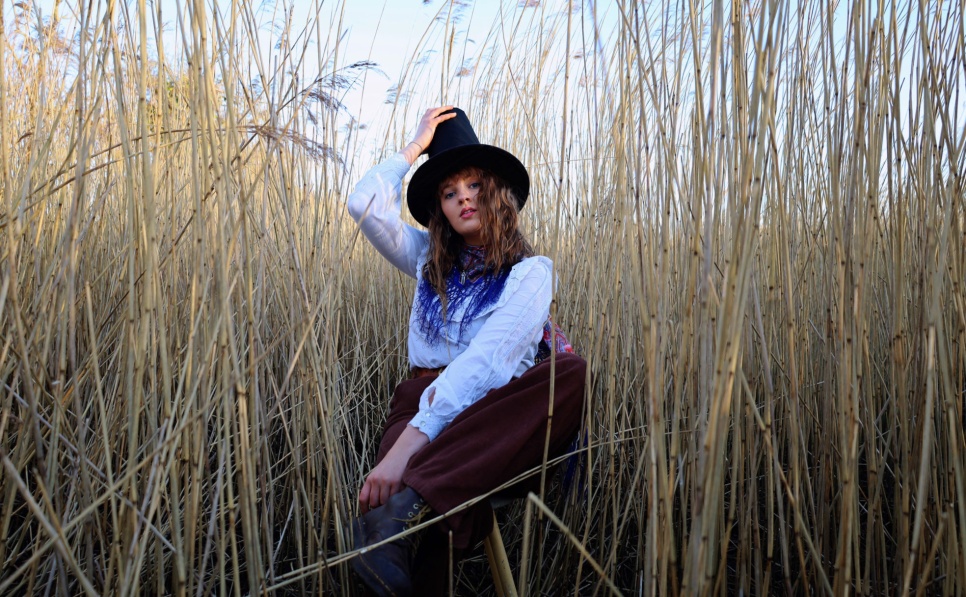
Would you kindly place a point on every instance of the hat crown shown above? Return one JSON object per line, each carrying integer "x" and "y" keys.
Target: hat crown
{"x": 455, "y": 132}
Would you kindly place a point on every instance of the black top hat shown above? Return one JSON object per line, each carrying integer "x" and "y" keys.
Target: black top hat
{"x": 454, "y": 147}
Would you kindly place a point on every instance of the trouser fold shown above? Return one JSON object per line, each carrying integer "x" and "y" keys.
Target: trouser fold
{"x": 491, "y": 442}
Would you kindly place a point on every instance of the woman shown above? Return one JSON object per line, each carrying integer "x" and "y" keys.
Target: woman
{"x": 473, "y": 415}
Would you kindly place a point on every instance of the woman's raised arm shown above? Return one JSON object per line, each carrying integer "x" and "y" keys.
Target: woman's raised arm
{"x": 376, "y": 201}
{"x": 375, "y": 204}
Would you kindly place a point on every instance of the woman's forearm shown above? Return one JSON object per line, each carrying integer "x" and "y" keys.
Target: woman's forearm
{"x": 412, "y": 151}
{"x": 386, "y": 479}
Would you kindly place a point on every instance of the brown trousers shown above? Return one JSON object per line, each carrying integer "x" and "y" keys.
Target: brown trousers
{"x": 489, "y": 443}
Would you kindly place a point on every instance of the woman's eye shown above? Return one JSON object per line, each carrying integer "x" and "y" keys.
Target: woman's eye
{"x": 448, "y": 195}
{"x": 474, "y": 185}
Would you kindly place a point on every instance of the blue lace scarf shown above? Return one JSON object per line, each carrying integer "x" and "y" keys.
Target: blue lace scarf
{"x": 470, "y": 283}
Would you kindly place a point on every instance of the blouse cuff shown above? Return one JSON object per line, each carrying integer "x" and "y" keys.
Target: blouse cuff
{"x": 429, "y": 423}
{"x": 398, "y": 164}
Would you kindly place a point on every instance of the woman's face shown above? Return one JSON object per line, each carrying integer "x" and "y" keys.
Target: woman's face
{"x": 458, "y": 201}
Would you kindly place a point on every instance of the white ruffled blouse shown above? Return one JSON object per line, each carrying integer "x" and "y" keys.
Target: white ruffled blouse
{"x": 499, "y": 344}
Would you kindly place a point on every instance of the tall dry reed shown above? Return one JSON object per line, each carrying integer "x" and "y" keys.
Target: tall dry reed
{"x": 756, "y": 213}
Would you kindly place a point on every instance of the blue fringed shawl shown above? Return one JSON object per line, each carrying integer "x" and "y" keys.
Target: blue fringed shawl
{"x": 469, "y": 285}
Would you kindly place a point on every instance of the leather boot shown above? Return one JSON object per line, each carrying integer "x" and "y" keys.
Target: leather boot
{"x": 387, "y": 569}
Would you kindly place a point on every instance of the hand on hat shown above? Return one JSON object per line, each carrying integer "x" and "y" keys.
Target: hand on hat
{"x": 426, "y": 130}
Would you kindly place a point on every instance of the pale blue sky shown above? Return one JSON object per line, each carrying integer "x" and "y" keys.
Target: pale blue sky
{"x": 386, "y": 32}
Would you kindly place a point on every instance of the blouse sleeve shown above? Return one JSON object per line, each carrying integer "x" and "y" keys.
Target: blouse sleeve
{"x": 375, "y": 204}
{"x": 492, "y": 356}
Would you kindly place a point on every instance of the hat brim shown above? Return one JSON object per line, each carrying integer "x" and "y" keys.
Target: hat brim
{"x": 421, "y": 195}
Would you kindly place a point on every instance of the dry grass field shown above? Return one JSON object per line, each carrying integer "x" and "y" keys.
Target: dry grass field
{"x": 757, "y": 215}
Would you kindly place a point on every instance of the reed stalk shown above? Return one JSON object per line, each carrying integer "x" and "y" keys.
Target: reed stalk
{"x": 755, "y": 211}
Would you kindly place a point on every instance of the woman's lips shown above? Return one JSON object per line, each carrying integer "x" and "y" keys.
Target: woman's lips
{"x": 467, "y": 213}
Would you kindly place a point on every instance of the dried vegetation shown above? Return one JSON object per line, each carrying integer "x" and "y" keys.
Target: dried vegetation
{"x": 757, "y": 215}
